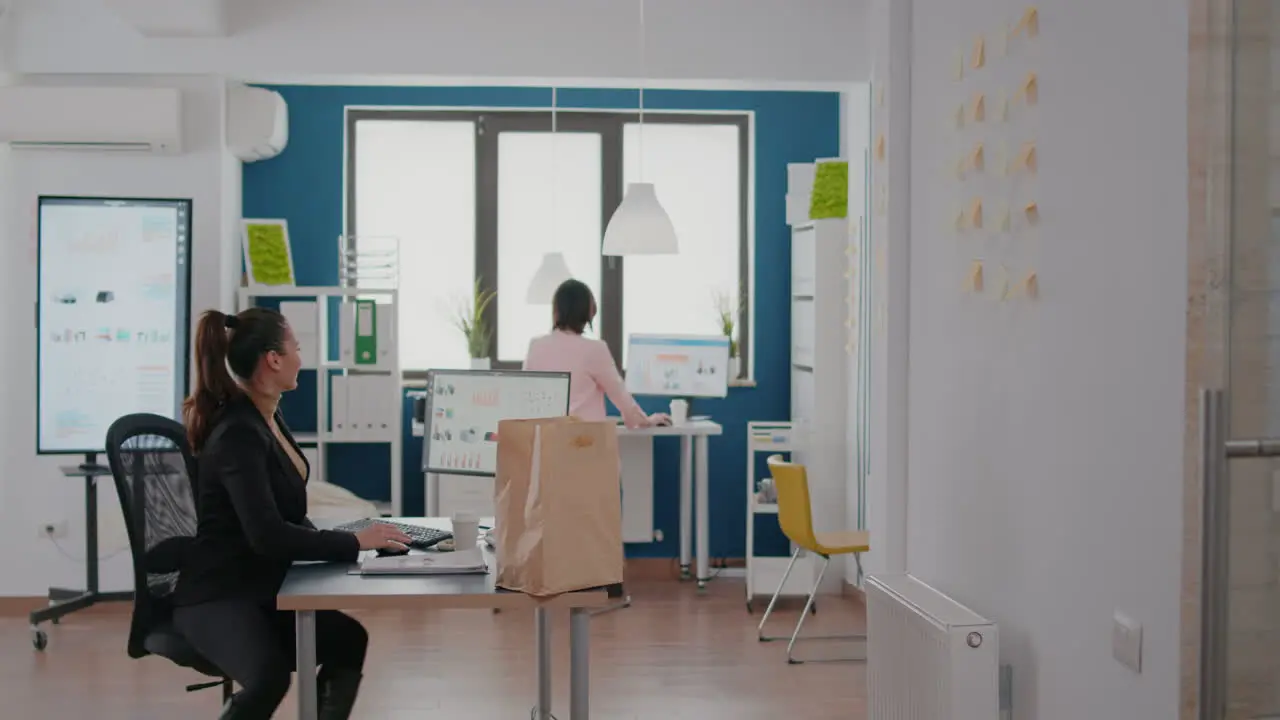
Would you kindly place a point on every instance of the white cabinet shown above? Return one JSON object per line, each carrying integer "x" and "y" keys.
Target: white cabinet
{"x": 819, "y": 368}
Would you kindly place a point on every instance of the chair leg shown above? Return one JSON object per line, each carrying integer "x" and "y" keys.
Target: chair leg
{"x": 795, "y": 634}
{"x": 774, "y": 600}
{"x": 227, "y": 690}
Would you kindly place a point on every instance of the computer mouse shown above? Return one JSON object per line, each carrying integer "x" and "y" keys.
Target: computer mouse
{"x": 389, "y": 552}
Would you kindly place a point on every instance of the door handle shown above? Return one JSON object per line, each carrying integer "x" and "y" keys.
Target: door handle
{"x": 1255, "y": 448}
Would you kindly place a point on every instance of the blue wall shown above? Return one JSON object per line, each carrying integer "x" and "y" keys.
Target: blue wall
{"x": 304, "y": 186}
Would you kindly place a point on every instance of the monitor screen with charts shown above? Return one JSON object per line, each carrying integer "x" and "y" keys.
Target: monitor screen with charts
{"x": 112, "y": 314}
{"x": 678, "y": 365}
{"x": 464, "y": 407}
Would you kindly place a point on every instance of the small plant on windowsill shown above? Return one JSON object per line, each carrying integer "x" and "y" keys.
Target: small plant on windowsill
{"x": 728, "y": 312}
{"x": 474, "y": 326}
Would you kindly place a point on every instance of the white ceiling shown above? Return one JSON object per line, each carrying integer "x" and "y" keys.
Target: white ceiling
{"x": 763, "y": 41}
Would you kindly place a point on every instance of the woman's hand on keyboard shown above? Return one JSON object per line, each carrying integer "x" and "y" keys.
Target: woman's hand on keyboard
{"x": 381, "y": 536}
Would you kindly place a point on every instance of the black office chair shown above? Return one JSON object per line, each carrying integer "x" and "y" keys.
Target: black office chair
{"x": 155, "y": 480}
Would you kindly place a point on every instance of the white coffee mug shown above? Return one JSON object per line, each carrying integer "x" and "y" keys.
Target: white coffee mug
{"x": 679, "y": 412}
{"x": 466, "y": 530}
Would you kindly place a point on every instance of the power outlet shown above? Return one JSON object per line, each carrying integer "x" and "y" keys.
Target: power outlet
{"x": 53, "y": 530}
{"x": 1126, "y": 642}
{"x": 658, "y": 535}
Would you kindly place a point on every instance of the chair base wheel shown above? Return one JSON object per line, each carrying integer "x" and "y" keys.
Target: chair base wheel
{"x": 39, "y": 639}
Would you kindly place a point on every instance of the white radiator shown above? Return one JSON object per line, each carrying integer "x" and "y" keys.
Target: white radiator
{"x": 928, "y": 656}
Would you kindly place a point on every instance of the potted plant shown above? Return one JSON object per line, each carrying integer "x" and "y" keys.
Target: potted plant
{"x": 474, "y": 326}
{"x": 728, "y": 312}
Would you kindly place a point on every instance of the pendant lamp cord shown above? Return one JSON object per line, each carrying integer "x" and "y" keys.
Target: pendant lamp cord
{"x": 643, "y": 71}
{"x": 555, "y": 172}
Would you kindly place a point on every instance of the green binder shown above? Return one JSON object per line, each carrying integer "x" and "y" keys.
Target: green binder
{"x": 366, "y": 332}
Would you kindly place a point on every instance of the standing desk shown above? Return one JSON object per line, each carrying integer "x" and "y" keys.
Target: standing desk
{"x": 636, "y": 449}
{"x": 635, "y": 445}
{"x": 330, "y": 586}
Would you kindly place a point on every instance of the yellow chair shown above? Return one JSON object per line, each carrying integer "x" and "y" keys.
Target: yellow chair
{"x": 795, "y": 515}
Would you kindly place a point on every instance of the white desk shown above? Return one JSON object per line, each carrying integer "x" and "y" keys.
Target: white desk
{"x": 636, "y": 448}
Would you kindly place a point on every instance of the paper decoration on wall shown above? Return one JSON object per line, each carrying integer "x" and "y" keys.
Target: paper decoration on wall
{"x": 978, "y": 108}
{"x": 961, "y": 222}
{"x": 268, "y": 256}
{"x": 1027, "y": 158}
{"x": 1030, "y": 22}
{"x": 1032, "y": 211}
{"x": 1031, "y": 285}
{"x": 958, "y": 73}
{"x": 975, "y": 276}
{"x": 960, "y": 168}
{"x": 1029, "y": 91}
{"x": 959, "y": 117}
{"x": 977, "y": 158}
{"x": 830, "y": 197}
{"x": 1002, "y": 283}
{"x": 979, "y": 56}
{"x": 975, "y": 214}
{"x": 880, "y": 148}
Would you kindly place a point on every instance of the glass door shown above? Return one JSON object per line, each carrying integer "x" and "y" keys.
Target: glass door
{"x": 1241, "y": 634}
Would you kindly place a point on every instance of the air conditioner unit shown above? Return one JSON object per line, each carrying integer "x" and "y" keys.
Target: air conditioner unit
{"x": 92, "y": 118}
{"x": 257, "y": 123}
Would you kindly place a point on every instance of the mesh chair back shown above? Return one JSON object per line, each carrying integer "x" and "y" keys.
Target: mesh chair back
{"x": 154, "y": 477}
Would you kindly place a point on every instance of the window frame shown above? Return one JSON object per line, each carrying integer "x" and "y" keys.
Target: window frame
{"x": 609, "y": 125}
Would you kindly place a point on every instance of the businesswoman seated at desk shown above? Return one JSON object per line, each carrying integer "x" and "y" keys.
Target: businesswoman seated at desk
{"x": 251, "y": 505}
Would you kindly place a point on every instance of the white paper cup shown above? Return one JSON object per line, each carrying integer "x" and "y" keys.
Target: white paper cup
{"x": 679, "y": 412}
{"x": 466, "y": 530}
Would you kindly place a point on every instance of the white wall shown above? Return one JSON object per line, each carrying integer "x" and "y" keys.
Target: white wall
{"x": 798, "y": 40}
{"x": 34, "y": 492}
{"x": 1046, "y": 437}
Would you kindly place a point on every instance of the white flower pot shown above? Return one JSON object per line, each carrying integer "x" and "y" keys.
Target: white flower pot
{"x": 735, "y": 367}
{"x": 479, "y": 363}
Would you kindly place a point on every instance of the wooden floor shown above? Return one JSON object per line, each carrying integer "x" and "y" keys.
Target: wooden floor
{"x": 673, "y": 654}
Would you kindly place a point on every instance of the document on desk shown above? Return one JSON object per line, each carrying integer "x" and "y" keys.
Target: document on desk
{"x": 459, "y": 562}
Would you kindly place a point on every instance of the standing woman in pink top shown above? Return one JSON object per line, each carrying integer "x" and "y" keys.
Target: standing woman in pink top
{"x": 592, "y": 372}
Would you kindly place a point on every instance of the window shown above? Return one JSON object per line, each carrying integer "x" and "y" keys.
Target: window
{"x": 415, "y": 182}
{"x": 480, "y": 197}
{"x": 695, "y": 170}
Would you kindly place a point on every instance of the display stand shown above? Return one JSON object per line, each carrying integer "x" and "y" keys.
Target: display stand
{"x": 64, "y": 601}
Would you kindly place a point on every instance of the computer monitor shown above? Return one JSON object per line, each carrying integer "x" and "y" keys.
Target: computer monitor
{"x": 464, "y": 407}
{"x": 688, "y": 366}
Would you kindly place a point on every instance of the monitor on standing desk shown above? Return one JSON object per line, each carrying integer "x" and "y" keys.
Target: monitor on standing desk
{"x": 112, "y": 312}
{"x": 687, "y": 366}
{"x": 464, "y": 408}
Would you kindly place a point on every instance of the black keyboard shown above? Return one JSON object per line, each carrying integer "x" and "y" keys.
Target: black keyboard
{"x": 420, "y": 537}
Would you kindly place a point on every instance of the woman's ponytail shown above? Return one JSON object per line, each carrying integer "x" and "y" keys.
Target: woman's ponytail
{"x": 214, "y": 384}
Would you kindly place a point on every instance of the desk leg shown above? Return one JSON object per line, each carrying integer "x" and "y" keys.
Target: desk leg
{"x": 701, "y": 501}
{"x": 579, "y": 664}
{"x": 308, "y": 695}
{"x": 542, "y": 639}
{"x": 686, "y": 504}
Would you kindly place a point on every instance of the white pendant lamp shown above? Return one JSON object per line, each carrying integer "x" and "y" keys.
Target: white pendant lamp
{"x": 640, "y": 225}
{"x": 553, "y": 271}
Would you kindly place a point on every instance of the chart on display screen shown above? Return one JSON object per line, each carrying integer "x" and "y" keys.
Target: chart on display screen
{"x": 464, "y": 408}
{"x": 112, "y": 315}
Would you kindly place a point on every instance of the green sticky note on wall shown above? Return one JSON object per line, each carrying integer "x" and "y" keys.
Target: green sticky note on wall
{"x": 830, "y": 191}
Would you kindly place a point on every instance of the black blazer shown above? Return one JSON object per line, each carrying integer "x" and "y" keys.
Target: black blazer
{"x": 251, "y": 507}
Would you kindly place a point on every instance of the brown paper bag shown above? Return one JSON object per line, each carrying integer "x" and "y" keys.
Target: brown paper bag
{"x": 557, "y": 506}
